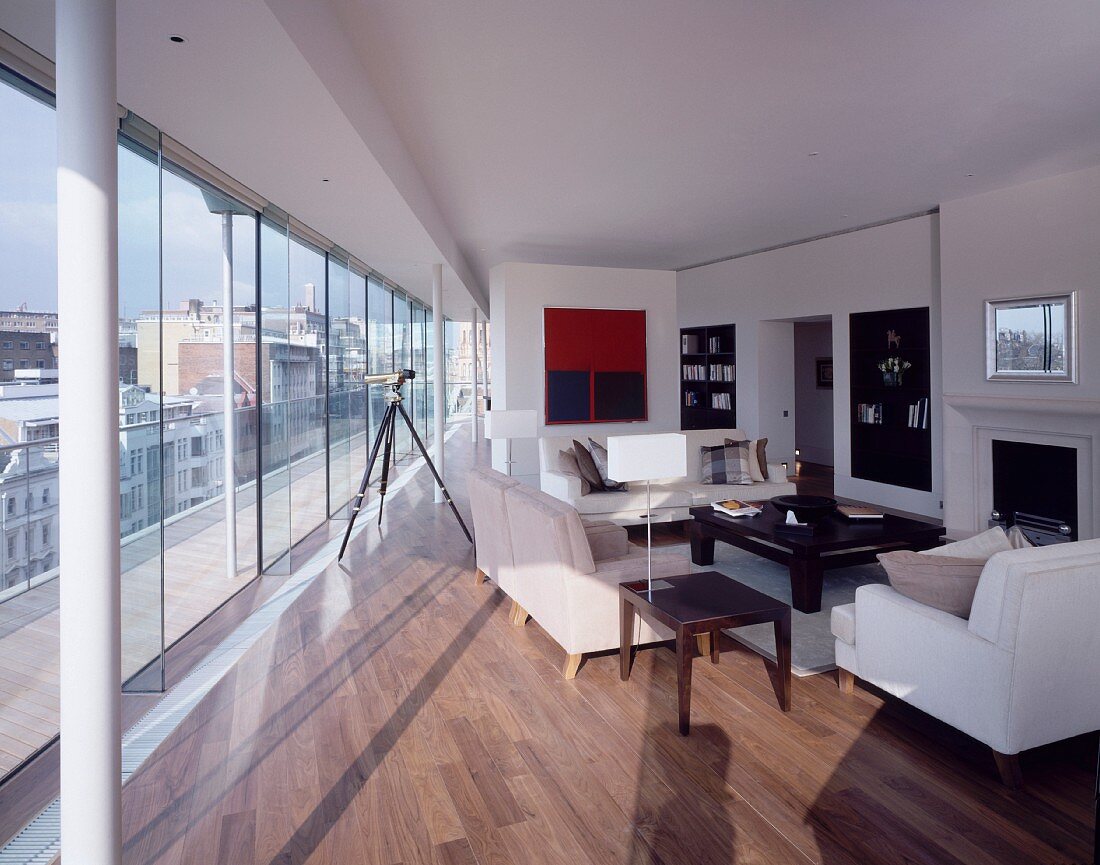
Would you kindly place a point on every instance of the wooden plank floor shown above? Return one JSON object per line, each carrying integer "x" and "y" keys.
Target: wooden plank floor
{"x": 393, "y": 715}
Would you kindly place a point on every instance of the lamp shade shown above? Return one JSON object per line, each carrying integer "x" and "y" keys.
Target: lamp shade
{"x": 511, "y": 424}
{"x": 647, "y": 457}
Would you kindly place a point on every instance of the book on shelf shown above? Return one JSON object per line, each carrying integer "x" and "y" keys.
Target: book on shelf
{"x": 736, "y": 508}
{"x": 720, "y": 401}
{"x": 694, "y": 372}
{"x": 689, "y": 343}
{"x": 860, "y": 512}
{"x": 918, "y": 414}
{"x": 691, "y": 399}
{"x": 870, "y": 413}
{"x": 722, "y": 372}
{"x": 714, "y": 345}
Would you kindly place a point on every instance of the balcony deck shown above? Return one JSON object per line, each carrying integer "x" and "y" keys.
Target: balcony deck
{"x": 195, "y": 583}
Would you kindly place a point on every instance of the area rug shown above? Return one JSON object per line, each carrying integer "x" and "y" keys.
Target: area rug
{"x": 811, "y": 640}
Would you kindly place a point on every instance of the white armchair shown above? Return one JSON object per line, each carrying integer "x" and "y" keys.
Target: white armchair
{"x": 1024, "y": 671}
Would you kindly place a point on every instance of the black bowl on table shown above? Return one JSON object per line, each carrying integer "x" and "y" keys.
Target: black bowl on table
{"x": 807, "y": 509}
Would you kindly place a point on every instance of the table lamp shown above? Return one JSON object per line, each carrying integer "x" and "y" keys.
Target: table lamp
{"x": 511, "y": 424}
{"x": 647, "y": 458}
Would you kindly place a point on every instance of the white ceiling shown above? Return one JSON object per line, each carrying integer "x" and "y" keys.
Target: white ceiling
{"x": 664, "y": 133}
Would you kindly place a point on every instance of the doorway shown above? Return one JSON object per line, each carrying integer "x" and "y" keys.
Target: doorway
{"x": 813, "y": 392}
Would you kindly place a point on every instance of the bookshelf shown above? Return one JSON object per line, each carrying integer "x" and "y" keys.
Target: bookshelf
{"x": 891, "y": 423}
{"x": 708, "y": 377}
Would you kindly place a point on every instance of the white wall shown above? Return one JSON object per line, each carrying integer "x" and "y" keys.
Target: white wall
{"x": 1036, "y": 238}
{"x": 518, "y": 295}
{"x": 886, "y": 267}
{"x": 813, "y": 416}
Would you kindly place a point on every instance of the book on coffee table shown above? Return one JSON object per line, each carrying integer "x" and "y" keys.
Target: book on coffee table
{"x": 735, "y": 508}
{"x": 860, "y": 512}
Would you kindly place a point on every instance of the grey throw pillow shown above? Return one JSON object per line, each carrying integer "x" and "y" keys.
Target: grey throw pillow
{"x": 726, "y": 464}
{"x": 586, "y": 466}
{"x": 599, "y": 457}
{"x": 567, "y": 465}
{"x": 947, "y": 583}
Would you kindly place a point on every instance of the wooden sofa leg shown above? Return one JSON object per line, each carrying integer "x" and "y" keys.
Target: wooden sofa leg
{"x": 479, "y": 577}
{"x": 1008, "y": 765}
{"x": 518, "y": 616}
{"x": 845, "y": 680}
{"x": 572, "y": 664}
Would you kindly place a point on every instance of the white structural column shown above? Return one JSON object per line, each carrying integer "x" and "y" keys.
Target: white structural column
{"x": 229, "y": 424}
{"x": 473, "y": 374}
{"x": 87, "y": 273}
{"x": 439, "y": 381}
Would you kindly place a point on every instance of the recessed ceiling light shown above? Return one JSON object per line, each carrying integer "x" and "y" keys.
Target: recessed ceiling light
{"x": 324, "y": 180}
{"x": 815, "y": 153}
{"x": 175, "y": 37}
{"x": 970, "y": 175}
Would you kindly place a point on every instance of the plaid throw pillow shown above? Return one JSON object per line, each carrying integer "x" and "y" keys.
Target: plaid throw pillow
{"x": 726, "y": 464}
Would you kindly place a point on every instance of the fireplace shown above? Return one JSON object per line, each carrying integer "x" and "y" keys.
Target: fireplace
{"x": 1035, "y": 485}
{"x": 974, "y": 423}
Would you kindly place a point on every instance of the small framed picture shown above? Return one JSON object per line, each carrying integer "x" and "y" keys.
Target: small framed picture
{"x": 824, "y": 372}
{"x": 1032, "y": 338}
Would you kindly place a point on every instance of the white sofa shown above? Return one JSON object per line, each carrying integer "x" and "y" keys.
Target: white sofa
{"x": 573, "y": 595}
{"x": 1023, "y": 671}
{"x": 671, "y": 497}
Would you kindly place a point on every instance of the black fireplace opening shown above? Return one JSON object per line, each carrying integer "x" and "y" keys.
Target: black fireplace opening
{"x": 1036, "y": 480}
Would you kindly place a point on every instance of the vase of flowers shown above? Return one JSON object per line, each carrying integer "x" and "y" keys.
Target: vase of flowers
{"x": 892, "y": 370}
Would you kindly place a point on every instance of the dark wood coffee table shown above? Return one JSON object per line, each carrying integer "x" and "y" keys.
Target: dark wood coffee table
{"x": 703, "y": 604}
{"x": 835, "y": 543}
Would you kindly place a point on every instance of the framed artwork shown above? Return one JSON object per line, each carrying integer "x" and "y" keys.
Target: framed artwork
{"x": 1032, "y": 338}
{"x": 595, "y": 365}
{"x": 824, "y": 372}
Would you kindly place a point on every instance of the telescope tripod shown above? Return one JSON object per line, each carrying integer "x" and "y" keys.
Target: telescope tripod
{"x": 385, "y": 439}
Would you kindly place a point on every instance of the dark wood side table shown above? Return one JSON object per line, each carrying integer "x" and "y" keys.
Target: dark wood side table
{"x": 703, "y": 604}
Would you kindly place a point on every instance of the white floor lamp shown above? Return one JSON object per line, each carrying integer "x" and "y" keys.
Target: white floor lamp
{"x": 511, "y": 424}
{"x": 647, "y": 458}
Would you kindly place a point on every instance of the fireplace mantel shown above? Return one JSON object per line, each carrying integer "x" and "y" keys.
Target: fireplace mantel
{"x": 1034, "y": 405}
{"x": 972, "y": 421}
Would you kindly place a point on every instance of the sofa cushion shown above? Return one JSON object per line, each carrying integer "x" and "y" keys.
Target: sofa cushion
{"x": 705, "y": 494}
{"x": 947, "y": 583}
{"x": 606, "y": 540}
{"x": 758, "y": 458}
{"x": 726, "y": 464}
{"x": 599, "y": 457}
{"x": 587, "y": 466}
{"x": 842, "y": 622}
{"x": 980, "y": 546}
{"x": 633, "y": 500}
{"x": 567, "y": 465}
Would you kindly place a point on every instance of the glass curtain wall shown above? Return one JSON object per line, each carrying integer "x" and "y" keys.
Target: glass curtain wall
{"x": 402, "y": 359}
{"x": 308, "y": 464}
{"x": 379, "y": 346}
{"x": 286, "y": 378}
{"x": 144, "y": 460}
{"x": 303, "y": 417}
{"x": 355, "y": 367}
{"x": 340, "y": 342}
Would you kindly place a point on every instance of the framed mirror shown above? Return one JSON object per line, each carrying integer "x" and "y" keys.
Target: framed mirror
{"x": 1032, "y": 338}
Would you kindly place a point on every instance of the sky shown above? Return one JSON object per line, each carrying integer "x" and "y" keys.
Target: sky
{"x": 192, "y": 235}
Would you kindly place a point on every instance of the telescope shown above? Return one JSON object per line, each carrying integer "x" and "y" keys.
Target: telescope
{"x": 385, "y": 440}
{"x": 393, "y": 379}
